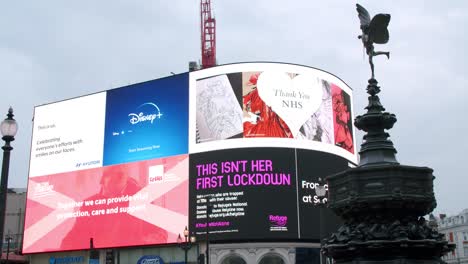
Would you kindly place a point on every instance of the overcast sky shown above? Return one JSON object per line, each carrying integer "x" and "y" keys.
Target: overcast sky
{"x": 54, "y": 50}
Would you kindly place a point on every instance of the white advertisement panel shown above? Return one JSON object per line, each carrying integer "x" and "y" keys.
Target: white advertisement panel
{"x": 68, "y": 136}
{"x": 270, "y": 105}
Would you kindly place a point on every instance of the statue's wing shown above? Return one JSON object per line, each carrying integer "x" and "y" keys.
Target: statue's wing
{"x": 378, "y": 32}
{"x": 363, "y": 15}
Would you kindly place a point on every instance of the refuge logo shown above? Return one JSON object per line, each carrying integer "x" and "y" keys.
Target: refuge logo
{"x": 278, "y": 222}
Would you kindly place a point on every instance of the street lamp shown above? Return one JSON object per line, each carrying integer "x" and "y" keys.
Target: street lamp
{"x": 209, "y": 208}
{"x": 8, "y": 128}
{"x": 187, "y": 243}
{"x": 9, "y": 239}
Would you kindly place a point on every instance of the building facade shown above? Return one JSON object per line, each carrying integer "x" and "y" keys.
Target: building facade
{"x": 163, "y": 255}
{"x": 14, "y": 219}
{"x": 230, "y": 253}
{"x": 14, "y": 225}
{"x": 455, "y": 229}
{"x": 263, "y": 253}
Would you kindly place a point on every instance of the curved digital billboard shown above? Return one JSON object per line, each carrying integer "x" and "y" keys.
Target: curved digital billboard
{"x": 262, "y": 138}
{"x": 251, "y": 141}
{"x": 270, "y": 105}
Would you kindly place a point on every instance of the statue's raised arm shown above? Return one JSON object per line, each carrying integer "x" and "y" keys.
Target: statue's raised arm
{"x": 373, "y": 31}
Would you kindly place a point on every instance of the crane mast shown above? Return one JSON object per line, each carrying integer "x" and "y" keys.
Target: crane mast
{"x": 208, "y": 35}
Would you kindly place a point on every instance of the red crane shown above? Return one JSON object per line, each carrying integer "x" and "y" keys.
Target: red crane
{"x": 208, "y": 35}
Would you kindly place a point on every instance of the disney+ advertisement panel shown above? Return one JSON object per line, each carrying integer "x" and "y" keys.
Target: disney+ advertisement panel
{"x": 147, "y": 120}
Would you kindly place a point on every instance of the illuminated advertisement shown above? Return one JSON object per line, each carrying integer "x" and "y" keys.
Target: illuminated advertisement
{"x": 107, "y": 164}
{"x": 237, "y": 151}
{"x": 262, "y": 139}
{"x": 270, "y": 105}
{"x": 260, "y": 193}
{"x": 147, "y": 120}
{"x": 252, "y": 193}
{"x": 312, "y": 167}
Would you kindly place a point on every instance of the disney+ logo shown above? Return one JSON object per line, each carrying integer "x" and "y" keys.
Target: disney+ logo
{"x": 152, "y": 113}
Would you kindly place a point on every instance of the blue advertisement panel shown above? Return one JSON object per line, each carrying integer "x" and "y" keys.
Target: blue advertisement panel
{"x": 147, "y": 120}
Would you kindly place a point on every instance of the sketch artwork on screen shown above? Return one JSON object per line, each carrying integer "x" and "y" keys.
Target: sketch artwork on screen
{"x": 219, "y": 115}
{"x": 319, "y": 127}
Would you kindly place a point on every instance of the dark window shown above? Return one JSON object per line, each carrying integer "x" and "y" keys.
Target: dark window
{"x": 307, "y": 255}
{"x": 233, "y": 260}
{"x": 271, "y": 259}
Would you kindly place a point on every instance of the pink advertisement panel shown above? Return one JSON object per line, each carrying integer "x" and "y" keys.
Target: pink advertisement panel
{"x": 135, "y": 203}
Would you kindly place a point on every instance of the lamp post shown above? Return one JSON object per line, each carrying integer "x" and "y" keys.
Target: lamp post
{"x": 93, "y": 253}
{"x": 8, "y": 128}
{"x": 208, "y": 211}
{"x": 187, "y": 243}
{"x": 8, "y": 238}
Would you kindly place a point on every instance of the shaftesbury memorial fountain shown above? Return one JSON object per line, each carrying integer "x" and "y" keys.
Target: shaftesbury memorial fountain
{"x": 381, "y": 202}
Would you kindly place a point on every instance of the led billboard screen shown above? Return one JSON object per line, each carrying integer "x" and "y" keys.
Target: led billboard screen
{"x": 135, "y": 165}
{"x": 262, "y": 138}
{"x": 270, "y": 105}
{"x": 247, "y": 189}
{"x": 109, "y": 164}
{"x": 260, "y": 193}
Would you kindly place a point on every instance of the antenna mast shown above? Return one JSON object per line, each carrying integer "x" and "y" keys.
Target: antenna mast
{"x": 208, "y": 35}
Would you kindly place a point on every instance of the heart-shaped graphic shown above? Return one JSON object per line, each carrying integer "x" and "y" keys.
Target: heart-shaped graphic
{"x": 294, "y": 100}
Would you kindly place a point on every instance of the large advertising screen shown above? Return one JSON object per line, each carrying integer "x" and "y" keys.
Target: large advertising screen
{"x": 270, "y": 105}
{"x": 262, "y": 139}
{"x": 260, "y": 193}
{"x": 237, "y": 151}
{"x": 249, "y": 191}
{"x": 107, "y": 165}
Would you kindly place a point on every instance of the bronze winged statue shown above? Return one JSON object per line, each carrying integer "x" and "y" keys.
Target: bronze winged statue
{"x": 373, "y": 31}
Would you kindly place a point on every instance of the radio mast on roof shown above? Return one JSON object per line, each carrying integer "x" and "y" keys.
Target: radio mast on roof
{"x": 207, "y": 37}
{"x": 208, "y": 34}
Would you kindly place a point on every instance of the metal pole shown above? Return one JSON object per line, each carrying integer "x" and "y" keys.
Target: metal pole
{"x": 208, "y": 210}
{"x": 186, "y": 247}
{"x": 186, "y": 244}
{"x": 207, "y": 249}
{"x": 8, "y": 249}
{"x": 118, "y": 256}
{"x": 4, "y": 185}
